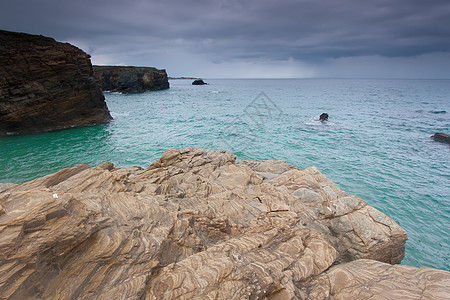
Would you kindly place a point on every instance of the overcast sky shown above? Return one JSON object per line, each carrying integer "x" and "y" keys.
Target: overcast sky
{"x": 251, "y": 38}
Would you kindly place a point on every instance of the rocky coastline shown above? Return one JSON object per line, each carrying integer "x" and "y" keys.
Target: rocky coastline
{"x": 127, "y": 79}
{"x": 46, "y": 85}
{"x": 198, "y": 224}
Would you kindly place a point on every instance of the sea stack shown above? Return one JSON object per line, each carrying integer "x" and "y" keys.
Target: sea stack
{"x": 124, "y": 79}
{"x": 46, "y": 85}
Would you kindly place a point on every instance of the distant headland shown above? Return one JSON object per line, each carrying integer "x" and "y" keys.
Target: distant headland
{"x": 182, "y": 78}
{"x": 129, "y": 79}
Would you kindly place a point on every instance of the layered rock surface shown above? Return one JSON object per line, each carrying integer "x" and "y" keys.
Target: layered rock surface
{"x": 196, "y": 224}
{"x": 46, "y": 85}
{"x": 131, "y": 79}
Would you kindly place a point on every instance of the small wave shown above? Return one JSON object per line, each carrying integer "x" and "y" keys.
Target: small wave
{"x": 438, "y": 111}
{"x": 117, "y": 114}
{"x": 313, "y": 121}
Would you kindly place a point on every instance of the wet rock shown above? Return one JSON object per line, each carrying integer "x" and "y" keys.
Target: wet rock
{"x": 323, "y": 117}
{"x": 198, "y": 82}
{"x": 441, "y": 137}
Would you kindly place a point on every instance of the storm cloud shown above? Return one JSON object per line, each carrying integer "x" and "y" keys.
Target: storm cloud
{"x": 253, "y": 38}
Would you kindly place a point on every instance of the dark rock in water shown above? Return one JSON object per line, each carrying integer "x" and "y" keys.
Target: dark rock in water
{"x": 131, "y": 79}
{"x": 46, "y": 85}
{"x": 198, "y": 82}
{"x": 441, "y": 137}
{"x": 323, "y": 117}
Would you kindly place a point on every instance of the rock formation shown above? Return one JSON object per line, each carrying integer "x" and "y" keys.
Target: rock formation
{"x": 198, "y": 82}
{"x": 131, "y": 79}
{"x": 197, "y": 224}
{"x": 441, "y": 137}
{"x": 323, "y": 117}
{"x": 369, "y": 279}
{"x": 46, "y": 85}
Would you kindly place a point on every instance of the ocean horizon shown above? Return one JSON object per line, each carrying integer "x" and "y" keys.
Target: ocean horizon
{"x": 376, "y": 143}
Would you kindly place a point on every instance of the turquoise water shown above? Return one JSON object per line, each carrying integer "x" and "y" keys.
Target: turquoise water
{"x": 376, "y": 143}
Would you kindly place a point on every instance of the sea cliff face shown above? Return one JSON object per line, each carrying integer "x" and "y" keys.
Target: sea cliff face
{"x": 46, "y": 85}
{"x": 131, "y": 79}
{"x": 198, "y": 224}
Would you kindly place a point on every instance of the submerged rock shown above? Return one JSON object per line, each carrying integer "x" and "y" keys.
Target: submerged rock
{"x": 196, "y": 224}
{"x": 46, "y": 85}
{"x": 441, "y": 137}
{"x": 131, "y": 79}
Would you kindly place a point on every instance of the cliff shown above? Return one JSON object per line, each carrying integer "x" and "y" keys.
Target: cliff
{"x": 46, "y": 85}
{"x": 198, "y": 224}
{"x": 131, "y": 79}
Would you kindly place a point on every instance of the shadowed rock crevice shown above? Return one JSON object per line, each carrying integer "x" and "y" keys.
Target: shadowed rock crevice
{"x": 197, "y": 224}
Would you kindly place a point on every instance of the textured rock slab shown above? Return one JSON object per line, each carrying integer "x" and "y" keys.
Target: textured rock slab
{"x": 46, "y": 85}
{"x": 368, "y": 279}
{"x": 194, "y": 224}
{"x": 356, "y": 229}
{"x": 131, "y": 79}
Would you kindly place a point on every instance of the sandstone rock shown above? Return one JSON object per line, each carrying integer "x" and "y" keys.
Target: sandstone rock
{"x": 441, "y": 137}
{"x": 131, "y": 79}
{"x": 354, "y": 228}
{"x": 369, "y": 279}
{"x": 46, "y": 85}
{"x": 268, "y": 168}
{"x": 194, "y": 224}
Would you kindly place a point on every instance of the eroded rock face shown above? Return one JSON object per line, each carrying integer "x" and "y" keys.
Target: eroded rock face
{"x": 46, "y": 85}
{"x": 131, "y": 79}
{"x": 194, "y": 224}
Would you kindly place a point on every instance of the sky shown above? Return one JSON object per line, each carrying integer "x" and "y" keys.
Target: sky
{"x": 251, "y": 38}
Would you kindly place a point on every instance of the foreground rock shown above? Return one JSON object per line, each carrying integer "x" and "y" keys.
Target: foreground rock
{"x": 196, "y": 224}
{"x": 368, "y": 279}
{"x": 441, "y": 137}
{"x": 46, "y": 85}
{"x": 131, "y": 79}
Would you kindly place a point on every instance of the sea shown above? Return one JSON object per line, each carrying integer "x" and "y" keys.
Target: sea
{"x": 376, "y": 143}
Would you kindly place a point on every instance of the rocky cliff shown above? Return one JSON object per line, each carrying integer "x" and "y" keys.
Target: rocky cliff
{"x": 46, "y": 85}
{"x": 197, "y": 224}
{"x": 131, "y": 79}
